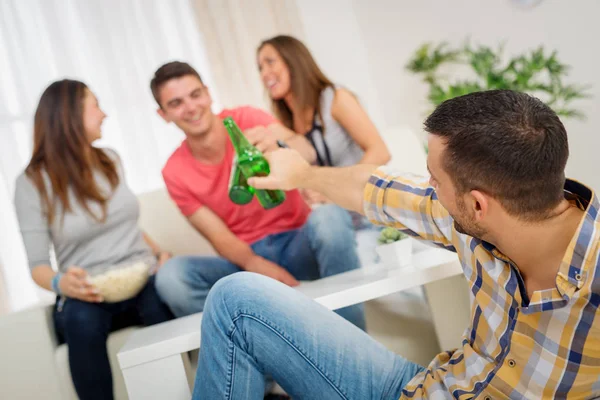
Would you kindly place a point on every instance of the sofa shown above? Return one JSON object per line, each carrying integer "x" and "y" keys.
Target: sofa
{"x": 33, "y": 365}
{"x": 32, "y": 362}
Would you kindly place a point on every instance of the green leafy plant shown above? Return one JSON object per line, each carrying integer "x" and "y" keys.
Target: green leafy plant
{"x": 536, "y": 72}
{"x": 390, "y": 235}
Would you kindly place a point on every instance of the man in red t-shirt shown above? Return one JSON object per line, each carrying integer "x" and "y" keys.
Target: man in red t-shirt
{"x": 287, "y": 243}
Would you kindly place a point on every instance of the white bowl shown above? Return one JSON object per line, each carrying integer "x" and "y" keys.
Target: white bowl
{"x": 120, "y": 284}
{"x": 396, "y": 254}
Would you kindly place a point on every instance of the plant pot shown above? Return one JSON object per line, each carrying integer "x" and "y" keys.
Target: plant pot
{"x": 396, "y": 254}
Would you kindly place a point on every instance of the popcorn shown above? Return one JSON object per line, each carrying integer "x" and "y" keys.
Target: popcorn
{"x": 123, "y": 283}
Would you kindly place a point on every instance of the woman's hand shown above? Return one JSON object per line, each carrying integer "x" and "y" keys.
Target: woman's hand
{"x": 265, "y": 138}
{"x": 75, "y": 284}
{"x": 161, "y": 258}
{"x": 265, "y": 267}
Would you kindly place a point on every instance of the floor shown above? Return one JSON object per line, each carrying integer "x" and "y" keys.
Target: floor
{"x": 402, "y": 322}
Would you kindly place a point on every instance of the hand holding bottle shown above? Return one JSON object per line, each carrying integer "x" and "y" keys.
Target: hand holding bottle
{"x": 288, "y": 170}
{"x": 252, "y": 162}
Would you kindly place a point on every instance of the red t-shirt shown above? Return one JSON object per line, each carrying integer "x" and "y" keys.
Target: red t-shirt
{"x": 192, "y": 184}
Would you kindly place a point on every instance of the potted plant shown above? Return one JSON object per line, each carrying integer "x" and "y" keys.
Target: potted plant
{"x": 535, "y": 72}
{"x": 395, "y": 247}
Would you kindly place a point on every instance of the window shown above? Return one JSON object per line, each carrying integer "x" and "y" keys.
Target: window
{"x": 114, "y": 46}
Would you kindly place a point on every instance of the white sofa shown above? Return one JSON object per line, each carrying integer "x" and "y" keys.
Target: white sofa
{"x": 32, "y": 362}
{"x": 32, "y": 365}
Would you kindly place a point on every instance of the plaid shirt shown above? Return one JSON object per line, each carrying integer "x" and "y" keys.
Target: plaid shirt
{"x": 544, "y": 347}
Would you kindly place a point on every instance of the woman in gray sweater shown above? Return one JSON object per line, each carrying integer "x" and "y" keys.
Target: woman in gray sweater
{"x": 72, "y": 197}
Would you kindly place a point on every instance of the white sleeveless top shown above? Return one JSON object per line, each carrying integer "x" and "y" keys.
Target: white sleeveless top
{"x": 335, "y": 147}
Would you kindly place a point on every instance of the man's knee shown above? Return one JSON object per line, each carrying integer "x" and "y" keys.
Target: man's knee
{"x": 330, "y": 227}
{"x": 331, "y": 214}
{"x": 170, "y": 280}
{"x": 237, "y": 289}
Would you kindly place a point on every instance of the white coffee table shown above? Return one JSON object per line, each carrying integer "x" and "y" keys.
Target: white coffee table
{"x": 152, "y": 359}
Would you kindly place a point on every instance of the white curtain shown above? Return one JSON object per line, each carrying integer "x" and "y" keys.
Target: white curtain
{"x": 114, "y": 46}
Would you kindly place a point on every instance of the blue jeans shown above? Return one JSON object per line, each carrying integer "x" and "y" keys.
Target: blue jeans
{"x": 85, "y": 327}
{"x": 324, "y": 246}
{"x": 255, "y": 327}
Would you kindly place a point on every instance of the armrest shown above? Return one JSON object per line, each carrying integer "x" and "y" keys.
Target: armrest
{"x": 162, "y": 340}
{"x": 27, "y": 345}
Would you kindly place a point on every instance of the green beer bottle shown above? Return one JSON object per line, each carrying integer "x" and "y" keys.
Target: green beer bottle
{"x": 251, "y": 162}
{"x": 239, "y": 191}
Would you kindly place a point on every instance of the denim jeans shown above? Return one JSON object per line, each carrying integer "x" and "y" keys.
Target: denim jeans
{"x": 255, "y": 327}
{"x": 85, "y": 327}
{"x": 324, "y": 246}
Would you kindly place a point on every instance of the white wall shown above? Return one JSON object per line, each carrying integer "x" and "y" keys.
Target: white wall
{"x": 392, "y": 30}
{"x": 366, "y": 44}
{"x": 331, "y": 32}
{"x": 332, "y": 35}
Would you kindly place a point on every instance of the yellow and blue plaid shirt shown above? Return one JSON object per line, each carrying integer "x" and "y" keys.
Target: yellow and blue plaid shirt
{"x": 546, "y": 347}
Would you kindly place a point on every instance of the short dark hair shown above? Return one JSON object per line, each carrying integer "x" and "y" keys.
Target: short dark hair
{"x": 168, "y": 71}
{"x": 507, "y": 144}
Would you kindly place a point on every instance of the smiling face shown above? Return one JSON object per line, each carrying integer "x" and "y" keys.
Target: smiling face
{"x": 92, "y": 116}
{"x": 274, "y": 72}
{"x": 186, "y": 102}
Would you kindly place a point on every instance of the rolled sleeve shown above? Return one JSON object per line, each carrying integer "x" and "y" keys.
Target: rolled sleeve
{"x": 407, "y": 202}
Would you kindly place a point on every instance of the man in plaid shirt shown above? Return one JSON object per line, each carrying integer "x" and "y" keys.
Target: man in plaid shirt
{"x": 529, "y": 243}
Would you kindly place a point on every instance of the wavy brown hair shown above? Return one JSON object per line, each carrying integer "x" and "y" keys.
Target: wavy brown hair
{"x": 63, "y": 156}
{"x": 306, "y": 78}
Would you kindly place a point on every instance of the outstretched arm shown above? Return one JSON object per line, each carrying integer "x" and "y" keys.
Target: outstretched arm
{"x": 402, "y": 201}
{"x": 343, "y": 186}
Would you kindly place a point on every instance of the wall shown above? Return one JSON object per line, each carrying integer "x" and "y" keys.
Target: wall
{"x": 392, "y": 30}
{"x": 366, "y": 44}
{"x": 331, "y": 32}
{"x": 332, "y": 35}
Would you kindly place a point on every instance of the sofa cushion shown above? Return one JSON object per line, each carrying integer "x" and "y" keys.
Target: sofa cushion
{"x": 163, "y": 222}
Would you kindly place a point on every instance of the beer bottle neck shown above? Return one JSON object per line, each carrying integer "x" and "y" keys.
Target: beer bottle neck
{"x": 239, "y": 141}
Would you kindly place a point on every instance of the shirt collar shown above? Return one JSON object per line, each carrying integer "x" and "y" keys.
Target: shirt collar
{"x": 573, "y": 271}
{"x": 574, "y": 268}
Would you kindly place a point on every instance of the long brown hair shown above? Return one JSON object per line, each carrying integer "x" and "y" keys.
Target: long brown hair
{"x": 62, "y": 151}
{"x": 307, "y": 81}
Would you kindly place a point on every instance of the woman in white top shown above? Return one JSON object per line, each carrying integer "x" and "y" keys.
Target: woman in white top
{"x": 329, "y": 116}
